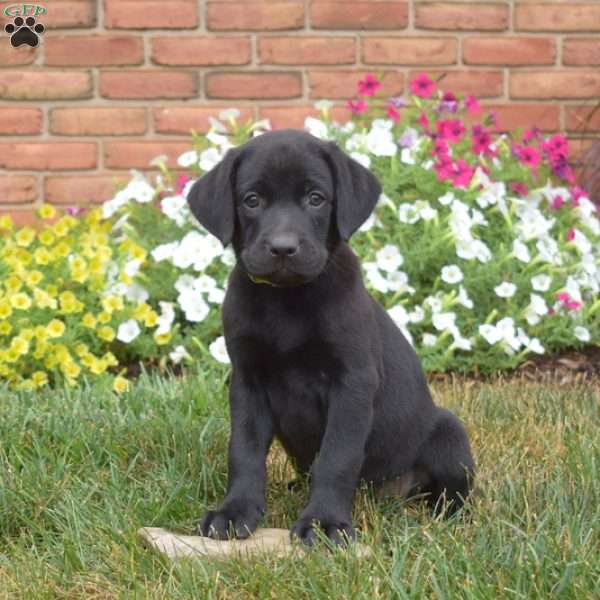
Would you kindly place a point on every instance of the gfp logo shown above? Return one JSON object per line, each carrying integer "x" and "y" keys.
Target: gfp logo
{"x": 24, "y": 29}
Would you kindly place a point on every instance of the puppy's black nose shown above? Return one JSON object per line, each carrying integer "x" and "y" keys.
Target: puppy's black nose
{"x": 284, "y": 244}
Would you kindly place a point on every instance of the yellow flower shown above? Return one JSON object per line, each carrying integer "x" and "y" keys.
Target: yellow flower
{"x": 13, "y": 284}
{"x": 162, "y": 339}
{"x": 106, "y": 333}
{"x": 20, "y": 301}
{"x": 12, "y": 355}
{"x": 40, "y": 333}
{"x": 43, "y": 299}
{"x": 55, "y": 328}
{"x": 52, "y": 290}
{"x": 25, "y": 236}
{"x": 5, "y": 328}
{"x": 47, "y": 237}
{"x": 5, "y": 309}
{"x": 110, "y": 359}
{"x": 61, "y": 227}
{"x": 103, "y": 317}
{"x": 70, "y": 369}
{"x": 120, "y": 384}
{"x": 23, "y": 256}
{"x": 81, "y": 349}
{"x": 61, "y": 250}
{"x": 47, "y": 211}
{"x": 79, "y": 276}
{"x": 39, "y": 379}
{"x": 151, "y": 319}
{"x": 6, "y": 222}
{"x": 89, "y": 320}
{"x": 33, "y": 278}
{"x": 42, "y": 256}
{"x": 112, "y": 303}
{"x": 27, "y": 334}
{"x": 19, "y": 345}
{"x": 68, "y": 302}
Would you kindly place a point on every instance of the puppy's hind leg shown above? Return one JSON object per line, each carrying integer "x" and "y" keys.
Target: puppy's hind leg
{"x": 447, "y": 461}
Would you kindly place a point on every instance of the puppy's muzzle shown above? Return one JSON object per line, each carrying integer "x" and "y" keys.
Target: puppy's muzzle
{"x": 283, "y": 245}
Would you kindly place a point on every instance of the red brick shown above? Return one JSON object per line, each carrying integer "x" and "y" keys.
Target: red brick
{"x": 86, "y": 189}
{"x": 553, "y": 84}
{"x": 201, "y": 51}
{"x": 359, "y": 15}
{"x": 47, "y": 155}
{"x": 409, "y": 51}
{"x": 480, "y": 83}
{"x": 294, "y": 116}
{"x": 94, "y": 50}
{"x": 578, "y": 148}
{"x": 98, "y": 121}
{"x": 255, "y": 16}
{"x": 148, "y": 84}
{"x": 562, "y": 16}
{"x": 522, "y": 116}
{"x": 468, "y": 15}
{"x": 139, "y": 153}
{"x": 306, "y": 50}
{"x": 70, "y": 14}
{"x": 22, "y": 217}
{"x": 182, "y": 119}
{"x": 12, "y": 57}
{"x": 45, "y": 85}
{"x": 253, "y": 85}
{"x": 343, "y": 84}
{"x": 19, "y": 120}
{"x": 581, "y": 51}
{"x": 509, "y": 51}
{"x": 150, "y": 14}
{"x": 17, "y": 189}
{"x": 582, "y": 118}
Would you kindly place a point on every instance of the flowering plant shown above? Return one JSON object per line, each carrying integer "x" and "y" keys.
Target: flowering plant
{"x": 481, "y": 247}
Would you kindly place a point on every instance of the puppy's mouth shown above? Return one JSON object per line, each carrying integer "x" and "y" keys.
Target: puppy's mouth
{"x": 283, "y": 277}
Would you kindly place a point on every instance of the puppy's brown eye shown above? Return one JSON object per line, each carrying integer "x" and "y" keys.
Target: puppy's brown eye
{"x": 251, "y": 200}
{"x": 315, "y": 199}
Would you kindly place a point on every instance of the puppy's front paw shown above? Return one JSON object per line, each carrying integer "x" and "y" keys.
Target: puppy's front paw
{"x": 338, "y": 530}
{"x": 236, "y": 520}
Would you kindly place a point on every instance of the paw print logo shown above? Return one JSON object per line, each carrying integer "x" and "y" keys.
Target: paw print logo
{"x": 24, "y": 31}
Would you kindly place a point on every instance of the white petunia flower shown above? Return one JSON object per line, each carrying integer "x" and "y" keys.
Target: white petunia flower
{"x": 136, "y": 293}
{"x": 490, "y": 333}
{"x": 128, "y": 331}
{"x": 429, "y": 340}
{"x": 407, "y": 213}
{"x": 447, "y": 199}
{"x": 362, "y": 159}
{"x": 166, "y": 318}
{"x": 229, "y": 114}
{"x": 535, "y": 346}
{"x": 505, "y": 289}
{"x": 380, "y": 140}
{"x": 188, "y": 159}
{"x": 176, "y": 208}
{"x": 433, "y": 303}
{"x": 178, "y": 354}
{"x": 216, "y": 296}
{"x": 407, "y": 156}
{"x": 416, "y": 315}
{"x": 425, "y": 211}
{"x": 164, "y": 251}
{"x": 209, "y": 159}
{"x": 398, "y": 282}
{"x": 541, "y": 283}
{"x": 521, "y": 251}
{"x": 389, "y": 258}
{"x": 323, "y": 105}
{"x": 451, "y": 274}
{"x": 443, "y": 321}
{"x": 219, "y": 351}
{"x": 581, "y": 242}
{"x": 461, "y": 342}
{"x": 228, "y": 257}
{"x": 316, "y": 128}
{"x": 399, "y": 315}
{"x": 463, "y": 298}
{"x": 582, "y": 334}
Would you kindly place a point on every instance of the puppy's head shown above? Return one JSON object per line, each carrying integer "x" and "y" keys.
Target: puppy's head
{"x": 284, "y": 199}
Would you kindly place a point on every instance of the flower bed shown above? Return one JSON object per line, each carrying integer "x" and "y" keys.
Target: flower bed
{"x": 482, "y": 249}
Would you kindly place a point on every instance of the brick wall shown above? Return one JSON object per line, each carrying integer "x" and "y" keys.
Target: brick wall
{"x": 116, "y": 82}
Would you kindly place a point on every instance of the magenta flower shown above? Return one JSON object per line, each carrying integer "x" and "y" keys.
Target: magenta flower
{"x": 368, "y": 85}
{"x": 357, "y": 107}
{"x": 472, "y": 105}
{"x": 423, "y": 121}
{"x": 448, "y": 103}
{"x": 519, "y": 188}
{"x": 451, "y": 130}
{"x": 557, "y": 202}
{"x": 570, "y": 235}
{"x": 422, "y": 86}
{"x": 482, "y": 141}
{"x": 568, "y": 302}
{"x": 463, "y": 173}
{"x": 440, "y": 148}
{"x": 392, "y": 113}
{"x": 557, "y": 145}
{"x": 576, "y": 194}
{"x": 444, "y": 169}
{"x": 181, "y": 182}
{"x": 527, "y": 155}
{"x": 74, "y": 210}
{"x": 531, "y": 134}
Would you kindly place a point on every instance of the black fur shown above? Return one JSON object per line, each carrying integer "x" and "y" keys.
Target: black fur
{"x": 316, "y": 361}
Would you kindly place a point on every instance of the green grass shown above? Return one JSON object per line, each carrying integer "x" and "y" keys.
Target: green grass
{"x": 82, "y": 470}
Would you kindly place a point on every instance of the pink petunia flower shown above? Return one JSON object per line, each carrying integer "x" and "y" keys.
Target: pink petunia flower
{"x": 451, "y": 130}
{"x": 557, "y": 202}
{"x": 531, "y": 134}
{"x": 482, "y": 141}
{"x": 422, "y": 86}
{"x": 181, "y": 182}
{"x": 423, "y": 121}
{"x": 568, "y": 302}
{"x": 368, "y": 85}
{"x": 448, "y": 103}
{"x": 463, "y": 173}
{"x": 519, "y": 188}
{"x": 576, "y": 194}
{"x": 570, "y": 235}
{"x": 527, "y": 155}
{"x": 392, "y": 113}
{"x": 472, "y": 105}
{"x": 357, "y": 107}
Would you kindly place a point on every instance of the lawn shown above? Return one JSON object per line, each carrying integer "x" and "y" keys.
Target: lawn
{"x": 83, "y": 469}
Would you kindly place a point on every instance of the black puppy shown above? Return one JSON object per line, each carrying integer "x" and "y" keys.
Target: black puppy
{"x": 316, "y": 361}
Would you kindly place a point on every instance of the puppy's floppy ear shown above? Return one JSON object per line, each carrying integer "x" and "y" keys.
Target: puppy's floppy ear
{"x": 211, "y": 198}
{"x": 356, "y": 190}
